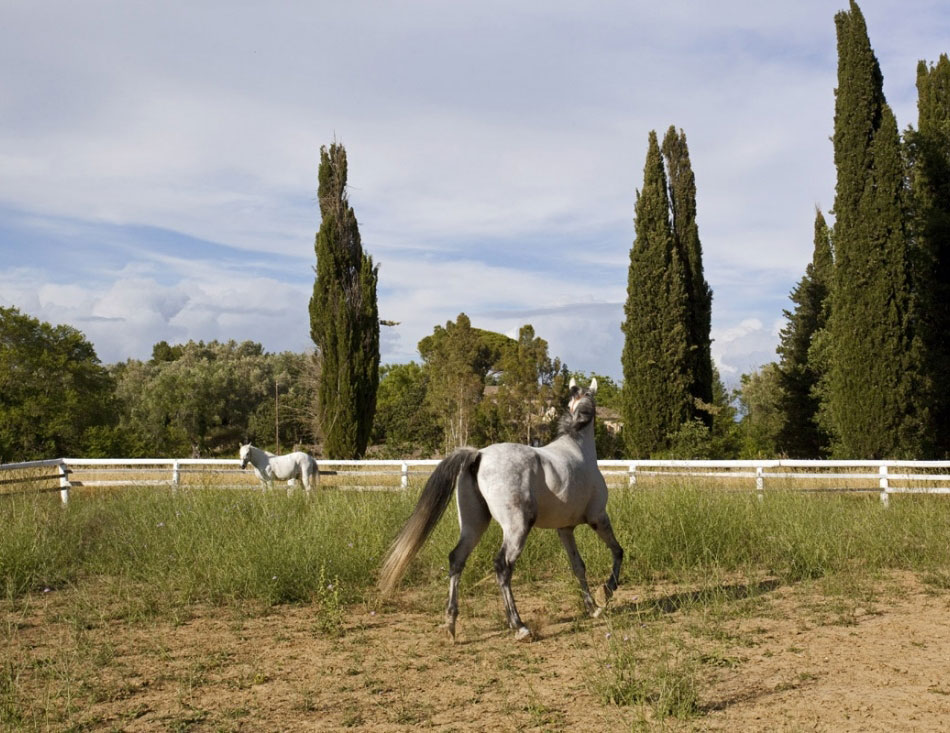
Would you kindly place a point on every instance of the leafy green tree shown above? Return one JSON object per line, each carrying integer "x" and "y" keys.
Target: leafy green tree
{"x": 801, "y": 436}
{"x": 928, "y": 150}
{"x": 527, "y": 389}
{"x": 163, "y": 351}
{"x": 55, "y": 396}
{"x": 656, "y": 353}
{"x": 405, "y": 424}
{"x": 141, "y": 417}
{"x": 725, "y": 434}
{"x": 209, "y": 397}
{"x": 457, "y": 360}
{"x": 344, "y": 318}
{"x": 284, "y": 419}
{"x": 682, "y": 185}
{"x": 876, "y": 387}
{"x": 724, "y": 439}
{"x": 609, "y": 393}
{"x": 760, "y": 400}
{"x": 489, "y": 348}
{"x": 196, "y": 404}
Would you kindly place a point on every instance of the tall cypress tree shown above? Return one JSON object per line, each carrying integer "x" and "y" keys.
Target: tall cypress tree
{"x": 874, "y": 387}
{"x": 800, "y": 435}
{"x": 682, "y": 186}
{"x": 344, "y": 320}
{"x": 656, "y": 354}
{"x": 929, "y": 154}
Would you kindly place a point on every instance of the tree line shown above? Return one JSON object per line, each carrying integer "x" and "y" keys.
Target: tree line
{"x": 861, "y": 369}
{"x": 863, "y": 359}
{"x": 203, "y": 399}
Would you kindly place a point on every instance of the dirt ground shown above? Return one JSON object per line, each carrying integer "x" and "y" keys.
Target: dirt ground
{"x": 787, "y": 658}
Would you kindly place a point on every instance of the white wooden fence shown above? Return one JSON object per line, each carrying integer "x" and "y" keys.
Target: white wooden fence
{"x": 883, "y": 477}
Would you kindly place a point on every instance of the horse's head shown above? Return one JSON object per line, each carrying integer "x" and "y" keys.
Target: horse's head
{"x": 579, "y": 393}
{"x": 245, "y": 455}
{"x": 581, "y": 407}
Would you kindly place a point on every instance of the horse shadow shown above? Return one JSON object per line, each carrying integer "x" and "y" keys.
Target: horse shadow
{"x": 647, "y": 608}
{"x": 673, "y": 602}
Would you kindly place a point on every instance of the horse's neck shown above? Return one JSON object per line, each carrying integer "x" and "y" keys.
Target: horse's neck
{"x": 259, "y": 456}
{"x": 582, "y": 441}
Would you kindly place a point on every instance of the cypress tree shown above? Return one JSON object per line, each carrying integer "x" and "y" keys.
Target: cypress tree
{"x": 682, "y": 187}
{"x": 929, "y": 153}
{"x": 800, "y": 435}
{"x": 344, "y": 320}
{"x": 656, "y": 355}
{"x": 874, "y": 382}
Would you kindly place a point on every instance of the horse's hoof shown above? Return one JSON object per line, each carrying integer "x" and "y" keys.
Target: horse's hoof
{"x": 597, "y": 611}
{"x": 450, "y": 630}
{"x": 523, "y": 634}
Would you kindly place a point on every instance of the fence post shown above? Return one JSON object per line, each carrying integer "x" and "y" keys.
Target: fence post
{"x": 176, "y": 476}
{"x": 632, "y": 478}
{"x": 404, "y": 476}
{"x": 759, "y": 482}
{"x": 885, "y": 486}
{"x": 64, "y": 484}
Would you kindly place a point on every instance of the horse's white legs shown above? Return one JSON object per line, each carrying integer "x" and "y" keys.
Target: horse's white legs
{"x": 511, "y": 547}
{"x": 577, "y": 565}
{"x": 473, "y": 521}
{"x": 605, "y": 531}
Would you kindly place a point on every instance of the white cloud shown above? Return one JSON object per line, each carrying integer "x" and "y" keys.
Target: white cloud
{"x": 744, "y": 347}
{"x": 494, "y": 154}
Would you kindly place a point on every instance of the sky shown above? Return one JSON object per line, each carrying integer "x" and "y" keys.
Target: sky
{"x": 158, "y": 161}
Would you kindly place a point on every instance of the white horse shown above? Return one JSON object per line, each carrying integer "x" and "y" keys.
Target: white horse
{"x": 289, "y": 467}
{"x": 557, "y": 487}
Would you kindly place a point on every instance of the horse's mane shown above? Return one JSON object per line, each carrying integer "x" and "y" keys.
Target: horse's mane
{"x": 583, "y": 416}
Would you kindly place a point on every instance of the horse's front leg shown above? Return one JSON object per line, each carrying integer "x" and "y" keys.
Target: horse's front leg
{"x": 605, "y": 531}
{"x": 566, "y": 534}
{"x": 261, "y": 477}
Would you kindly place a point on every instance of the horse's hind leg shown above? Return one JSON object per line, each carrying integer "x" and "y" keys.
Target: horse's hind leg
{"x": 473, "y": 521}
{"x": 514, "y": 538}
{"x": 577, "y": 565}
{"x": 605, "y": 531}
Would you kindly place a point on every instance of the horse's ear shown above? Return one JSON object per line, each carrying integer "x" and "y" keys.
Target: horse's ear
{"x": 572, "y": 386}
{"x": 593, "y": 386}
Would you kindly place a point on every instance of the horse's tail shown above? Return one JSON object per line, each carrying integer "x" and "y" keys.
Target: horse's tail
{"x": 430, "y": 507}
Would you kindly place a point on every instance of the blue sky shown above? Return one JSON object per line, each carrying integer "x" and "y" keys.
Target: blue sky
{"x": 159, "y": 159}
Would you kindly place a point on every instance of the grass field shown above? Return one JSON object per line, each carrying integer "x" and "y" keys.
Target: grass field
{"x": 145, "y": 556}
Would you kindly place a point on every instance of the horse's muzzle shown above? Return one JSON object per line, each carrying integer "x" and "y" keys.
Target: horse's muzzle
{"x": 243, "y": 464}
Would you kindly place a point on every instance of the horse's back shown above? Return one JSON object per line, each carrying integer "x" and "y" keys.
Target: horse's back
{"x": 501, "y": 461}
{"x": 556, "y": 487}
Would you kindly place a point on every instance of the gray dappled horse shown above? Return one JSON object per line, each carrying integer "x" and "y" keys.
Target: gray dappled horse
{"x": 557, "y": 487}
{"x": 289, "y": 467}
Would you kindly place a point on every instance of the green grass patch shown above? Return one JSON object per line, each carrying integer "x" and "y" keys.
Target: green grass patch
{"x": 159, "y": 549}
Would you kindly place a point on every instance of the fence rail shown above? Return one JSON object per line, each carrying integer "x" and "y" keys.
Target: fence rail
{"x": 883, "y": 477}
